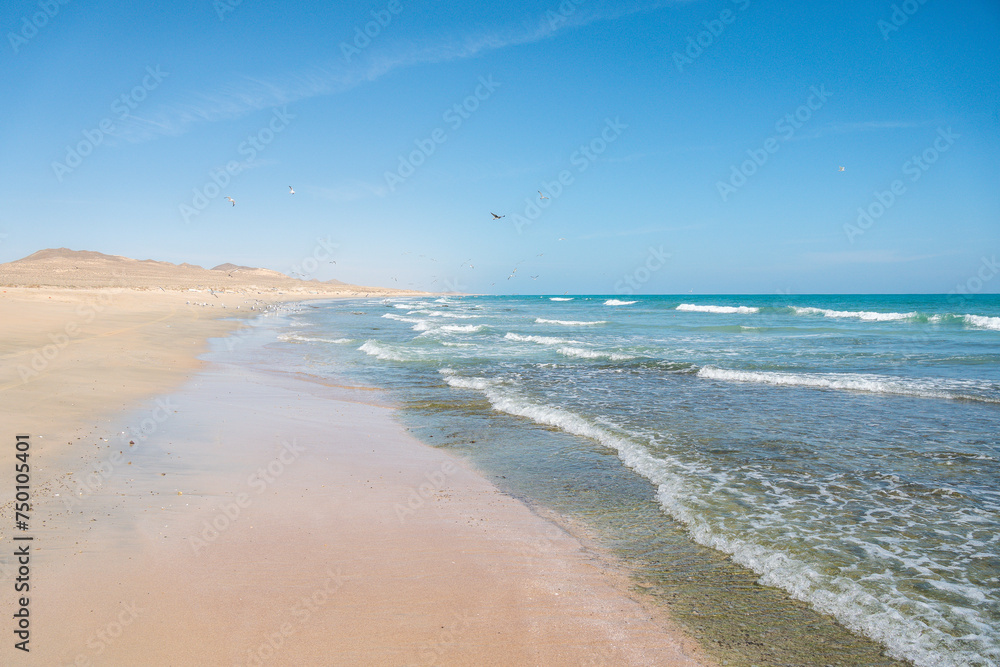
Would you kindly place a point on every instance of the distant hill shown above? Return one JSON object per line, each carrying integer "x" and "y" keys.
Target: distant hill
{"x": 62, "y": 267}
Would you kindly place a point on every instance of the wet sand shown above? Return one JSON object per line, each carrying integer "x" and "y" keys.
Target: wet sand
{"x": 215, "y": 513}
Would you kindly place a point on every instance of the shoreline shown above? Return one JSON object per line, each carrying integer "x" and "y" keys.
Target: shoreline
{"x": 457, "y": 570}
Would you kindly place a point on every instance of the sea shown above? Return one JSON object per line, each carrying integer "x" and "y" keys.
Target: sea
{"x": 800, "y": 479}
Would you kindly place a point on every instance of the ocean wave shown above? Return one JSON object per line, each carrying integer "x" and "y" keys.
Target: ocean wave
{"x": 983, "y": 322}
{"x": 442, "y": 313}
{"x": 401, "y": 318}
{"x": 568, "y": 323}
{"x": 866, "y": 315}
{"x": 383, "y": 352}
{"x": 313, "y": 339}
{"x": 478, "y": 384}
{"x": 876, "y": 384}
{"x": 583, "y": 353}
{"x": 739, "y": 310}
{"x": 462, "y": 328}
{"x": 560, "y": 298}
{"x": 541, "y": 340}
{"x": 616, "y": 302}
{"x": 881, "y": 617}
{"x": 455, "y": 316}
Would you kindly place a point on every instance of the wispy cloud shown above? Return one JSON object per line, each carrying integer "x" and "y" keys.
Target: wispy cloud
{"x": 249, "y": 94}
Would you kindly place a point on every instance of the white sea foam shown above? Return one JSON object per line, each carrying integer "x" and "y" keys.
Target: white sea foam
{"x": 616, "y": 302}
{"x": 479, "y": 384}
{"x": 400, "y": 318}
{"x": 866, "y": 315}
{"x": 541, "y": 340}
{"x": 583, "y": 353}
{"x": 560, "y": 298}
{"x": 871, "y": 383}
{"x": 456, "y": 316}
{"x": 384, "y": 352}
{"x": 313, "y": 339}
{"x": 462, "y": 328}
{"x": 738, "y": 310}
{"x": 983, "y": 322}
{"x": 882, "y": 618}
{"x": 568, "y": 323}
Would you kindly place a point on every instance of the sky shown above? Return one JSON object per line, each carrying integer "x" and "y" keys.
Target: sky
{"x": 683, "y": 146}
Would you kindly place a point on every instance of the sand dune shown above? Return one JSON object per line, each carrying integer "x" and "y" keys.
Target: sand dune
{"x": 62, "y": 267}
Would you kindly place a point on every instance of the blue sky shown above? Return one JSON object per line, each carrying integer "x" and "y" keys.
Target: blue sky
{"x": 699, "y": 142}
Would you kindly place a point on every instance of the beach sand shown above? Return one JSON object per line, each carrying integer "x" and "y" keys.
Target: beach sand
{"x": 187, "y": 512}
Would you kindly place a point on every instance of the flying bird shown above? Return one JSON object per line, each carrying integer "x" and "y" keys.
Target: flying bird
{"x": 840, "y": 169}
{"x": 497, "y": 217}
{"x": 541, "y": 196}
{"x": 231, "y": 201}
{"x": 534, "y": 277}
{"x": 291, "y": 191}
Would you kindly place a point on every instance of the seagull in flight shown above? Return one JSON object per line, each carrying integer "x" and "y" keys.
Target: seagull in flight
{"x": 840, "y": 169}
{"x": 497, "y": 217}
{"x": 291, "y": 190}
{"x": 534, "y": 277}
{"x": 231, "y": 201}
{"x": 541, "y": 196}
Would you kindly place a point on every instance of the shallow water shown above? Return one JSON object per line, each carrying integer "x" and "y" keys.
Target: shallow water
{"x": 841, "y": 450}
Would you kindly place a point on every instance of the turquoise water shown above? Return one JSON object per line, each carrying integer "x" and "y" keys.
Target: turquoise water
{"x": 844, "y": 449}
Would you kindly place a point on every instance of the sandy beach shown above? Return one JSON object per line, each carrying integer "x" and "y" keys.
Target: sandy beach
{"x": 187, "y": 511}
